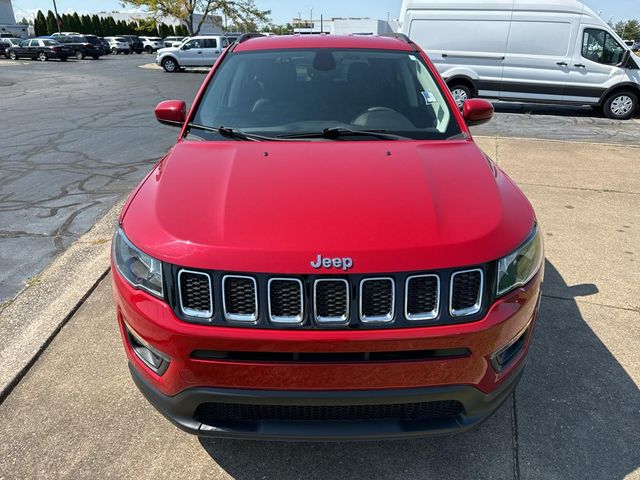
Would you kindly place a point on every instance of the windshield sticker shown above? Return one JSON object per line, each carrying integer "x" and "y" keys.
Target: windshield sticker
{"x": 429, "y": 97}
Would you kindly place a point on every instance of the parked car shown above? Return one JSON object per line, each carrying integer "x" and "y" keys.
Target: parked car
{"x": 523, "y": 52}
{"x": 106, "y": 48}
{"x": 152, "y": 44}
{"x": 351, "y": 266}
{"x": 201, "y": 51}
{"x": 6, "y": 42}
{"x": 118, "y": 45}
{"x": 82, "y": 45}
{"x": 172, "y": 41}
{"x": 135, "y": 44}
{"x": 41, "y": 49}
{"x": 636, "y": 47}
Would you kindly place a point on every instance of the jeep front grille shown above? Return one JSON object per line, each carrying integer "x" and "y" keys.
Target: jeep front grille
{"x": 394, "y": 300}
{"x": 377, "y": 300}
{"x": 286, "y": 301}
{"x": 466, "y": 292}
{"x": 196, "y": 295}
{"x": 422, "y": 297}
{"x": 240, "y": 298}
{"x": 331, "y": 301}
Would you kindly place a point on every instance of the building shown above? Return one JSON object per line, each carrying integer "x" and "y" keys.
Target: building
{"x": 342, "y": 26}
{"x": 8, "y": 25}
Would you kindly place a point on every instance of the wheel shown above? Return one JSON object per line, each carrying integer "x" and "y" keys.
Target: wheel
{"x": 170, "y": 65}
{"x": 621, "y": 105}
{"x": 126, "y": 52}
{"x": 79, "y": 55}
{"x": 95, "y": 57}
{"x": 114, "y": 51}
{"x": 461, "y": 93}
{"x": 13, "y": 55}
{"x": 138, "y": 52}
{"x": 63, "y": 59}
{"x": 42, "y": 56}
{"x": 148, "y": 49}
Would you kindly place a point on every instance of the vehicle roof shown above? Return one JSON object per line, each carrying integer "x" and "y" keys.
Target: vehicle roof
{"x": 278, "y": 42}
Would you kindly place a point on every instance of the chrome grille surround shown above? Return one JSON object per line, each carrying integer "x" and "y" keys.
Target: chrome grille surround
{"x": 341, "y": 320}
{"x": 427, "y": 315}
{"x": 472, "y": 309}
{"x": 240, "y": 317}
{"x": 190, "y": 311}
{"x": 287, "y": 320}
{"x": 388, "y": 317}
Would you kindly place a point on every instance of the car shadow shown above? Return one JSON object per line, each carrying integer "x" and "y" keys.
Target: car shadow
{"x": 576, "y": 416}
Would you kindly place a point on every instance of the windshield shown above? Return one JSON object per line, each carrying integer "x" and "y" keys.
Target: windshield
{"x": 287, "y": 92}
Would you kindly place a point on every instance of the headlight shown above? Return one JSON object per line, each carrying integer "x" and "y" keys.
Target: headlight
{"x": 138, "y": 268}
{"x": 518, "y": 268}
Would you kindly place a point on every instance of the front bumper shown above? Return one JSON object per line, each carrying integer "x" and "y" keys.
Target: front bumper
{"x": 181, "y": 411}
{"x": 191, "y": 380}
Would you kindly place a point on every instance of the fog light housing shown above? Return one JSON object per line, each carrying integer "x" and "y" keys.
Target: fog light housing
{"x": 503, "y": 357}
{"x": 157, "y": 361}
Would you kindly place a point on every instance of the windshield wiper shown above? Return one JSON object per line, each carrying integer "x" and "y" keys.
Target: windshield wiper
{"x": 337, "y": 132}
{"x": 231, "y": 133}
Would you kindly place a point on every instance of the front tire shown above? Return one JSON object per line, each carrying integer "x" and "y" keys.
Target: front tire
{"x": 461, "y": 93}
{"x": 96, "y": 57}
{"x": 13, "y": 55}
{"x": 170, "y": 65}
{"x": 114, "y": 51}
{"x": 42, "y": 57}
{"x": 621, "y": 105}
{"x": 148, "y": 49}
{"x": 79, "y": 55}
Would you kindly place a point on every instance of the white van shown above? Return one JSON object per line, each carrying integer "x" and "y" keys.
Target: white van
{"x": 550, "y": 51}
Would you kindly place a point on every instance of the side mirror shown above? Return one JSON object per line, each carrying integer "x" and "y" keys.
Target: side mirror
{"x": 476, "y": 111}
{"x": 171, "y": 112}
{"x": 624, "y": 63}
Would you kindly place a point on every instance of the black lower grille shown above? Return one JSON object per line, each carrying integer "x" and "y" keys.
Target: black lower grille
{"x": 213, "y": 413}
{"x": 466, "y": 290}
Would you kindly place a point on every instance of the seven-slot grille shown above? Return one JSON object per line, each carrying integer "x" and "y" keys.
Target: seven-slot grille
{"x": 285, "y": 300}
{"x": 422, "y": 297}
{"x": 466, "y": 292}
{"x": 196, "y": 296}
{"x": 331, "y": 301}
{"x": 377, "y": 300}
{"x": 240, "y": 298}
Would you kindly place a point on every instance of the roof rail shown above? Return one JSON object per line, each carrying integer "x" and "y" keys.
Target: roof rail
{"x": 400, "y": 36}
{"x": 246, "y": 36}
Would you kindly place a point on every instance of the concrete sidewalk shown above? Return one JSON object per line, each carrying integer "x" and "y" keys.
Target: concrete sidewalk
{"x": 576, "y": 414}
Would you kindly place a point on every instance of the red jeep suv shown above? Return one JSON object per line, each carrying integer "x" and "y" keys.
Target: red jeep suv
{"x": 325, "y": 254}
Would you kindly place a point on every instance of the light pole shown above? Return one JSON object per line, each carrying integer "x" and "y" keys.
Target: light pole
{"x": 55, "y": 10}
{"x": 311, "y": 19}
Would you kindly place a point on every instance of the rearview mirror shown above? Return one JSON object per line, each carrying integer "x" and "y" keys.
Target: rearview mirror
{"x": 171, "y": 112}
{"x": 476, "y": 111}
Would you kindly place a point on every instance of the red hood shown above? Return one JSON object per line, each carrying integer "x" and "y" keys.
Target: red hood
{"x": 273, "y": 207}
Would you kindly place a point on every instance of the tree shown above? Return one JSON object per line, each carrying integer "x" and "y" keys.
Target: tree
{"x": 242, "y": 12}
{"x": 76, "y": 23}
{"x": 40, "y": 24}
{"x": 52, "y": 25}
{"x": 628, "y": 29}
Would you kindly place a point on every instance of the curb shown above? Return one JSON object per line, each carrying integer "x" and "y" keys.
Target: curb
{"x": 32, "y": 320}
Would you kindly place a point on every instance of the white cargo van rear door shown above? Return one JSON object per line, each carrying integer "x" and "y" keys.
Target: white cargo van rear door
{"x": 594, "y": 65}
{"x": 538, "y": 56}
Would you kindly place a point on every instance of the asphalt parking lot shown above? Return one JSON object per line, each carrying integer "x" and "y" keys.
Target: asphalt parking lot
{"x": 77, "y": 414}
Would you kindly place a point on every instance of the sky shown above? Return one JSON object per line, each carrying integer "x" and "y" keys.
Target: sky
{"x": 285, "y": 10}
